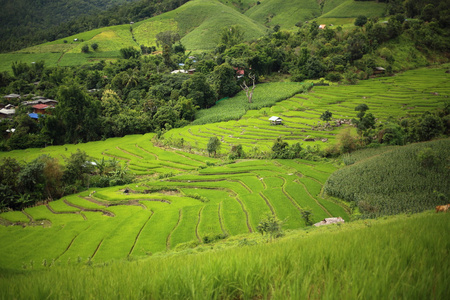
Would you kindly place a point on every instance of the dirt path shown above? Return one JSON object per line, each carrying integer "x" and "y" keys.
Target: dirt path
{"x": 96, "y": 250}
{"x": 198, "y": 224}
{"x": 268, "y": 203}
{"x": 321, "y": 206}
{"x": 129, "y": 153}
{"x": 104, "y": 212}
{"x": 289, "y": 196}
{"x": 246, "y": 215}
{"x": 221, "y": 220}
{"x": 64, "y": 212}
{"x": 139, "y": 147}
{"x": 180, "y": 215}
{"x": 70, "y": 244}
{"x": 139, "y": 233}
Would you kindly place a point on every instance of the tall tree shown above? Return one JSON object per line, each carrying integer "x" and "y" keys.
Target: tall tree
{"x": 213, "y": 145}
{"x": 231, "y": 36}
{"x": 224, "y": 80}
{"x": 78, "y": 114}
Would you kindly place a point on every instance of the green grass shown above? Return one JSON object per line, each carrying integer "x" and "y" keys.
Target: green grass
{"x": 353, "y": 9}
{"x": 6, "y": 59}
{"x": 200, "y": 21}
{"x": 285, "y": 13}
{"x": 376, "y": 259}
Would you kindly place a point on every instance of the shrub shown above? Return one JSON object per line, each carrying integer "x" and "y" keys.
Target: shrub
{"x": 427, "y": 157}
{"x": 271, "y": 226}
{"x": 361, "y": 21}
{"x": 333, "y": 76}
{"x": 307, "y": 216}
{"x": 129, "y": 52}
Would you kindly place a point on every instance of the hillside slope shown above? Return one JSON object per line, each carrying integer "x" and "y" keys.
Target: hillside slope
{"x": 198, "y": 22}
{"x": 285, "y": 13}
{"x": 402, "y": 257}
{"x": 21, "y": 19}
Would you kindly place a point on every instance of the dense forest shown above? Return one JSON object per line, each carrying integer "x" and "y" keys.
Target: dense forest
{"x": 27, "y": 22}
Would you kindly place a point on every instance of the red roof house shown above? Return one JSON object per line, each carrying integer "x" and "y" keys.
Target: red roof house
{"x": 40, "y": 108}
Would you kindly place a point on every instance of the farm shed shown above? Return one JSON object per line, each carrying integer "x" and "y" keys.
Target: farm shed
{"x": 378, "y": 70}
{"x": 322, "y": 26}
{"x": 275, "y": 120}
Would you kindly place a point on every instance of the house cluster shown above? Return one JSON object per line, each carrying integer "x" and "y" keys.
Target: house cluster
{"x": 183, "y": 70}
{"x": 40, "y": 105}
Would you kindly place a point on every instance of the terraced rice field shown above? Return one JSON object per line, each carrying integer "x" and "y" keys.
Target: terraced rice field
{"x": 135, "y": 151}
{"x": 156, "y": 215}
{"x": 406, "y": 94}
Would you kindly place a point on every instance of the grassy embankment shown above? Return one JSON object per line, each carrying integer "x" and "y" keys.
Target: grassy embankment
{"x": 397, "y": 257}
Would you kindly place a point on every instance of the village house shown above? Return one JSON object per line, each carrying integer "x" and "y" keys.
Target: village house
{"x": 41, "y": 108}
{"x": 239, "y": 72}
{"x": 7, "y": 113}
{"x": 11, "y": 97}
{"x": 49, "y": 102}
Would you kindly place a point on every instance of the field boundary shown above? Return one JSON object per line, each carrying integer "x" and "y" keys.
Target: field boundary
{"x": 139, "y": 233}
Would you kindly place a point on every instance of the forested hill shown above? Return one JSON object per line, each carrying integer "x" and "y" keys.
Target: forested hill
{"x": 29, "y": 22}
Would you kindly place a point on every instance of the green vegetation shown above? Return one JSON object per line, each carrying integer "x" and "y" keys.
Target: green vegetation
{"x": 194, "y": 207}
{"x": 265, "y": 95}
{"x": 284, "y": 13}
{"x": 392, "y": 100}
{"x": 168, "y": 170}
{"x": 365, "y": 259}
{"x": 409, "y": 178}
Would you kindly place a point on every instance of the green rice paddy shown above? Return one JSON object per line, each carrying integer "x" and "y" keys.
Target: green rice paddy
{"x": 157, "y": 215}
{"x": 405, "y": 94}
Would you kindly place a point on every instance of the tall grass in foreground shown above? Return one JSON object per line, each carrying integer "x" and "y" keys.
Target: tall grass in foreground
{"x": 401, "y": 257}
